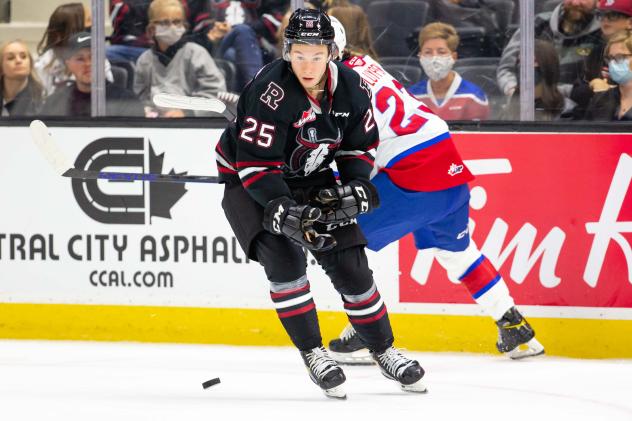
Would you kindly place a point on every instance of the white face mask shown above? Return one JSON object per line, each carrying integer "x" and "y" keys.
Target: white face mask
{"x": 437, "y": 67}
{"x": 169, "y": 35}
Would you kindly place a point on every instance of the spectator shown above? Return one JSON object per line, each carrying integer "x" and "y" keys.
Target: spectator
{"x": 358, "y": 31}
{"x": 615, "y": 104}
{"x": 237, "y": 43}
{"x": 550, "y": 104}
{"x": 614, "y": 16}
{"x": 20, "y": 91}
{"x": 573, "y": 29}
{"x": 66, "y": 20}
{"x": 445, "y": 92}
{"x": 174, "y": 65}
{"x": 129, "y": 20}
{"x": 247, "y": 39}
{"x": 75, "y": 99}
{"x": 129, "y": 39}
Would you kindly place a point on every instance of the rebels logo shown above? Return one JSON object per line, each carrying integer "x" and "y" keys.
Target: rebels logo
{"x": 272, "y": 96}
{"x": 307, "y": 117}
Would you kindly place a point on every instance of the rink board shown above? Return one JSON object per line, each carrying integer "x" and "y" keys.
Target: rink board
{"x": 130, "y": 261}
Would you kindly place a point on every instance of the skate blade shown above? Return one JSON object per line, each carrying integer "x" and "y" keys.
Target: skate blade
{"x": 337, "y": 392}
{"x": 417, "y": 387}
{"x": 359, "y": 357}
{"x": 532, "y": 348}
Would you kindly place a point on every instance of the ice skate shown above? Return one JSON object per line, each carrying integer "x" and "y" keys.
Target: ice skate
{"x": 516, "y": 337}
{"x": 325, "y": 372}
{"x": 349, "y": 348}
{"x": 408, "y": 373}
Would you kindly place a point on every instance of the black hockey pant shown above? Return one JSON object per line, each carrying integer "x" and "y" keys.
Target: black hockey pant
{"x": 285, "y": 266}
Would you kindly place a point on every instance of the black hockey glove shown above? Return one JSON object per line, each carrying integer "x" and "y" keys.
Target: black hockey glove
{"x": 341, "y": 203}
{"x": 284, "y": 216}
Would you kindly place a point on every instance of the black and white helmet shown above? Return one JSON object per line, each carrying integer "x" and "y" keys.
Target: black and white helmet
{"x": 308, "y": 26}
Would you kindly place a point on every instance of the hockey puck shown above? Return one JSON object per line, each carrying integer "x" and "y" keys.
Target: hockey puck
{"x": 210, "y": 383}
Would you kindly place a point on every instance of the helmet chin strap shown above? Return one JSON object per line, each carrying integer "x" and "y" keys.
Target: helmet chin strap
{"x": 315, "y": 88}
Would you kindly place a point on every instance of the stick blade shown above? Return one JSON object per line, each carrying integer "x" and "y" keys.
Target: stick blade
{"x": 189, "y": 103}
{"x": 46, "y": 145}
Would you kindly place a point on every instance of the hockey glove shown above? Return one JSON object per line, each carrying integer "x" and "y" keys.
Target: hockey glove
{"x": 284, "y": 216}
{"x": 342, "y": 203}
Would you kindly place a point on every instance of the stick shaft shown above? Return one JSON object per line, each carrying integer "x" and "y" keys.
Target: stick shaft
{"x": 128, "y": 176}
{"x": 58, "y": 161}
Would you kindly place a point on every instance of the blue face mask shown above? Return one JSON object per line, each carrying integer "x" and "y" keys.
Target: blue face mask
{"x": 620, "y": 71}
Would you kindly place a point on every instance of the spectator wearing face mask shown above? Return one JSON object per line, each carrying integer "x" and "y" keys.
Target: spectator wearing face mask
{"x": 614, "y": 16}
{"x": 174, "y": 65}
{"x": 445, "y": 92}
{"x": 615, "y": 104}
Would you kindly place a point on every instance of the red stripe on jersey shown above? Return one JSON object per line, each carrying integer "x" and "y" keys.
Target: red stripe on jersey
{"x": 364, "y": 302}
{"x": 363, "y": 157}
{"x": 258, "y": 176}
{"x": 225, "y": 170}
{"x": 368, "y": 319}
{"x": 479, "y": 277}
{"x": 244, "y": 164}
{"x": 428, "y": 169}
{"x": 298, "y": 311}
{"x": 374, "y": 145}
{"x": 289, "y": 291}
{"x": 219, "y": 150}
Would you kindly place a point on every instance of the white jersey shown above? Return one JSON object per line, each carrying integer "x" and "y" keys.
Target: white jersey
{"x": 415, "y": 147}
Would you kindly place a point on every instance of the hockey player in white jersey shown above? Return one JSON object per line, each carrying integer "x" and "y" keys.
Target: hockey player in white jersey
{"x": 422, "y": 183}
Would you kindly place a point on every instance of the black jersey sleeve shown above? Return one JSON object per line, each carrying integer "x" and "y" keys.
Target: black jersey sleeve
{"x": 260, "y": 138}
{"x": 356, "y": 157}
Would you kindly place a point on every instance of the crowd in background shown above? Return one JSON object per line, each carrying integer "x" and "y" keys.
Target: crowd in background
{"x": 461, "y": 57}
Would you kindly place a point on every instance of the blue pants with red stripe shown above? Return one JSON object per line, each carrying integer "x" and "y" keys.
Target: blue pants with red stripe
{"x": 436, "y": 219}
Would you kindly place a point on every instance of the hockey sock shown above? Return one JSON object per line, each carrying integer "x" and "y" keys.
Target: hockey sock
{"x": 367, "y": 313}
{"x": 487, "y": 287}
{"x": 297, "y": 312}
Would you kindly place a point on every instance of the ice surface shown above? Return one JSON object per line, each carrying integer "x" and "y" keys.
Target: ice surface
{"x": 55, "y": 380}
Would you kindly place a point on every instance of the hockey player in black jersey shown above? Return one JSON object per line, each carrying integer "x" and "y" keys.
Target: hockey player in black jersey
{"x": 296, "y": 117}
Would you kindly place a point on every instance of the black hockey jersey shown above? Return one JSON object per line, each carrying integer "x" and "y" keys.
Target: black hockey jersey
{"x": 282, "y": 137}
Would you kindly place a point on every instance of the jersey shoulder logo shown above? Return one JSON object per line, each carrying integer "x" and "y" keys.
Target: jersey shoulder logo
{"x": 455, "y": 169}
{"x": 356, "y": 62}
{"x": 272, "y": 96}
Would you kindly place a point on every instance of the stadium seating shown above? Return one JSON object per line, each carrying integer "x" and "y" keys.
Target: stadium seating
{"x": 392, "y": 22}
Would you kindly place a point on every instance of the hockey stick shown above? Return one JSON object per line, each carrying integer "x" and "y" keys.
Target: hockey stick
{"x": 49, "y": 149}
{"x": 193, "y": 103}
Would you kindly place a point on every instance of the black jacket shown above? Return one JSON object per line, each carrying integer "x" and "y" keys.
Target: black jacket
{"x": 592, "y": 68}
{"x": 604, "y": 106}
{"x": 69, "y": 101}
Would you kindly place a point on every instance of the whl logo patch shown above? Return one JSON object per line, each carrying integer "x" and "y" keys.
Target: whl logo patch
{"x": 124, "y": 201}
{"x": 455, "y": 169}
{"x": 306, "y": 117}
